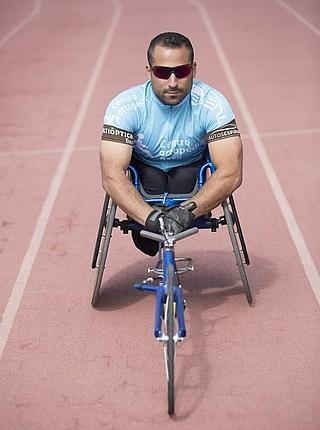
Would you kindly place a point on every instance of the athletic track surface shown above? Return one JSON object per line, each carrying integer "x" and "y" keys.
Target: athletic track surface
{"x": 65, "y": 365}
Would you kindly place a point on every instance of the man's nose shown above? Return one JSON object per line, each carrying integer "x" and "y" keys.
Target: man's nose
{"x": 173, "y": 81}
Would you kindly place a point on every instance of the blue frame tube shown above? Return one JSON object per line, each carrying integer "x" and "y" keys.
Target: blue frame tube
{"x": 202, "y": 173}
{"x": 180, "y": 312}
{"x": 160, "y": 295}
{"x": 168, "y": 254}
{"x": 168, "y": 258}
{"x": 161, "y": 292}
{"x": 160, "y": 298}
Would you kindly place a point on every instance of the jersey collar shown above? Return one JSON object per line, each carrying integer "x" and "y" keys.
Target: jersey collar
{"x": 168, "y": 107}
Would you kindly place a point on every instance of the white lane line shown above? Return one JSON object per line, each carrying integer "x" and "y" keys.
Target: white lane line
{"x": 23, "y": 23}
{"x": 294, "y": 230}
{"x": 42, "y": 221}
{"x": 298, "y": 16}
{"x": 48, "y": 151}
{"x": 267, "y": 134}
{"x": 284, "y": 133}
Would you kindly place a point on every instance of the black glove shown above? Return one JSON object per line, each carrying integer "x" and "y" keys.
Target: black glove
{"x": 179, "y": 218}
{"x": 152, "y": 222}
{"x": 176, "y": 219}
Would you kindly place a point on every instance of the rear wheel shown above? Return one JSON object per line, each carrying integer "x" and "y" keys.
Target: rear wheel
{"x": 100, "y": 231}
{"x": 103, "y": 251}
{"x": 237, "y": 252}
{"x": 239, "y": 230}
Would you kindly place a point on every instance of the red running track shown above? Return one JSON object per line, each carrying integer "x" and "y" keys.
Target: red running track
{"x": 65, "y": 365}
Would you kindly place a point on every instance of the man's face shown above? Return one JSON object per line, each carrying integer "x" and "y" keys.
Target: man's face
{"x": 172, "y": 90}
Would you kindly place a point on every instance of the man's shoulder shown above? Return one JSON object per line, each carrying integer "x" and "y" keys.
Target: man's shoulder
{"x": 200, "y": 86}
{"x": 202, "y": 92}
{"x": 131, "y": 96}
{"x": 214, "y": 108}
{"x": 125, "y": 110}
{"x": 205, "y": 96}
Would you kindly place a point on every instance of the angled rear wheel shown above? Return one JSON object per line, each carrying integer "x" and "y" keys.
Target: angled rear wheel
{"x": 237, "y": 251}
{"x": 100, "y": 255}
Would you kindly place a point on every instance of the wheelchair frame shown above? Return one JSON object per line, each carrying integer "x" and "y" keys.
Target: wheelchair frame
{"x": 230, "y": 218}
{"x": 169, "y": 310}
{"x": 169, "y": 322}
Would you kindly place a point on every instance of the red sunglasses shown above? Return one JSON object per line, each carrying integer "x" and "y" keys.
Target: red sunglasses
{"x": 163, "y": 72}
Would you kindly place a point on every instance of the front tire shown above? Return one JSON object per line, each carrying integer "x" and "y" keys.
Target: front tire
{"x": 170, "y": 341}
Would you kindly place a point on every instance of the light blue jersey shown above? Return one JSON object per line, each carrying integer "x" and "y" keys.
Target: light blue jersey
{"x": 167, "y": 136}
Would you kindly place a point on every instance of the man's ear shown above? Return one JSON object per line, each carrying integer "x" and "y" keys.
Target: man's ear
{"x": 148, "y": 72}
{"x": 194, "y": 69}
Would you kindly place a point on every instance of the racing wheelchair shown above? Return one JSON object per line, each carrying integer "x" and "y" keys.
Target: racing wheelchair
{"x": 169, "y": 322}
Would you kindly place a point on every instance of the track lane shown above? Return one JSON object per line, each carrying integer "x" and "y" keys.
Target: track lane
{"x": 15, "y": 17}
{"x": 42, "y": 220}
{"x": 307, "y": 13}
{"x": 306, "y": 109}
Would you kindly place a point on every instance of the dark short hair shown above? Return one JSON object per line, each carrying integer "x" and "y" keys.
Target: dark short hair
{"x": 170, "y": 40}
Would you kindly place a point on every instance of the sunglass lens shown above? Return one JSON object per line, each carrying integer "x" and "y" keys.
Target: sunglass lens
{"x": 161, "y": 72}
{"x": 181, "y": 72}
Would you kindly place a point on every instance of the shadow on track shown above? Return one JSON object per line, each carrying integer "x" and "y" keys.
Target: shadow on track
{"x": 216, "y": 280}
{"x": 205, "y": 290}
{"x": 117, "y": 291}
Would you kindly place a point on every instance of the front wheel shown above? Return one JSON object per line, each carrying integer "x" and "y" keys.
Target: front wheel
{"x": 170, "y": 343}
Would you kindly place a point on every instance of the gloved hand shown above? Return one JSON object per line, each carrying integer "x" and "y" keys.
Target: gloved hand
{"x": 176, "y": 219}
{"x": 179, "y": 218}
{"x": 152, "y": 222}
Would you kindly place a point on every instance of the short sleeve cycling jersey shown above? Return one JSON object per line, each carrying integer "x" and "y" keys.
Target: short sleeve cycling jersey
{"x": 166, "y": 136}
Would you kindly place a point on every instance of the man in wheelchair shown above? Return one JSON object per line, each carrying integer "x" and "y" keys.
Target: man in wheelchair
{"x": 164, "y": 128}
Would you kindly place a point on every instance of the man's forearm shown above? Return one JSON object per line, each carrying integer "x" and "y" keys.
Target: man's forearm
{"x": 214, "y": 191}
{"x": 122, "y": 191}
